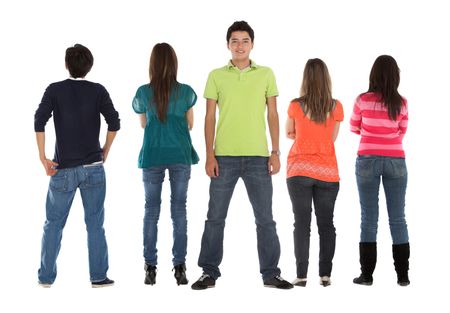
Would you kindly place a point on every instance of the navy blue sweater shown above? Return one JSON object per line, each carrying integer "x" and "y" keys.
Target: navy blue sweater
{"x": 76, "y": 106}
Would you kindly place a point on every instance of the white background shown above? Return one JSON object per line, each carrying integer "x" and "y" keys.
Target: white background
{"x": 347, "y": 35}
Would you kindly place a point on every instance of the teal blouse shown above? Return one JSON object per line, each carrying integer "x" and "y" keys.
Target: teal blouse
{"x": 166, "y": 142}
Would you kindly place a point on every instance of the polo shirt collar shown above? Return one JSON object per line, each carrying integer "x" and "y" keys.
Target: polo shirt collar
{"x": 252, "y": 64}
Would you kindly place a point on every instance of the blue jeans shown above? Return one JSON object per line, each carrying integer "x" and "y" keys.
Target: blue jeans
{"x": 370, "y": 169}
{"x": 63, "y": 186}
{"x": 303, "y": 191}
{"x": 258, "y": 182}
{"x": 179, "y": 175}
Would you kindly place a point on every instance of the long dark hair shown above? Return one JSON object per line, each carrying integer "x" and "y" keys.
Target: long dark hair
{"x": 163, "y": 77}
{"x": 315, "y": 93}
{"x": 384, "y": 80}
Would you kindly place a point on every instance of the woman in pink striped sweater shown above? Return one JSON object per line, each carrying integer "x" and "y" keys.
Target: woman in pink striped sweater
{"x": 380, "y": 116}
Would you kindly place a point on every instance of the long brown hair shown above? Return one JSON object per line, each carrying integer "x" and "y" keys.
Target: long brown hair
{"x": 384, "y": 80}
{"x": 163, "y": 77}
{"x": 315, "y": 93}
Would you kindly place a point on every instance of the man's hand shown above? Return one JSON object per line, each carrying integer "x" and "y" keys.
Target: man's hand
{"x": 50, "y": 167}
{"x": 274, "y": 164}
{"x": 211, "y": 166}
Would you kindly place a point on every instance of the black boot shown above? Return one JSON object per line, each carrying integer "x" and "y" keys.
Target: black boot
{"x": 150, "y": 274}
{"x": 368, "y": 260}
{"x": 180, "y": 274}
{"x": 401, "y": 263}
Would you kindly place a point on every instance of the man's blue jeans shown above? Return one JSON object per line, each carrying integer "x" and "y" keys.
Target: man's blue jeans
{"x": 370, "y": 169}
{"x": 254, "y": 172}
{"x": 179, "y": 175}
{"x": 63, "y": 186}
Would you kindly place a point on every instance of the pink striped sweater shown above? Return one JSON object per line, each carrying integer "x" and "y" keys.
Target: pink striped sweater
{"x": 379, "y": 134}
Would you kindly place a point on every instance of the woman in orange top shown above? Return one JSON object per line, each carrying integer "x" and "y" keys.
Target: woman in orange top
{"x": 312, "y": 172}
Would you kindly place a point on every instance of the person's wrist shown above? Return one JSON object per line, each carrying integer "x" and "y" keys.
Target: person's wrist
{"x": 276, "y": 152}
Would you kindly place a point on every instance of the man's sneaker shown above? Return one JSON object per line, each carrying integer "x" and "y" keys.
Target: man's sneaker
{"x": 278, "y": 282}
{"x": 150, "y": 274}
{"x": 300, "y": 282}
{"x": 204, "y": 282}
{"x": 180, "y": 274}
{"x": 103, "y": 283}
{"x": 44, "y": 285}
{"x": 325, "y": 281}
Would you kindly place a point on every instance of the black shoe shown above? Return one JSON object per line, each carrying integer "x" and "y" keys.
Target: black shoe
{"x": 368, "y": 261}
{"x": 204, "y": 282}
{"x": 325, "y": 281}
{"x": 103, "y": 283}
{"x": 363, "y": 280}
{"x": 278, "y": 282}
{"x": 300, "y": 282}
{"x": 150, "y": 274}
{"x": 403, "y": 279}
{"x": 401, "y": 262}
{"x": 180, "y": 274}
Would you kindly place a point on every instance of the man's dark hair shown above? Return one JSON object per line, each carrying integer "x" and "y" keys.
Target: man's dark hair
{"x": 240, "y": 26}
{"x": 79, "y": 60}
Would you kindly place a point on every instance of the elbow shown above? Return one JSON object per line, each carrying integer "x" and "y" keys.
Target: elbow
{"x": 290, "y": 135}
{"x": 190, "y": 124}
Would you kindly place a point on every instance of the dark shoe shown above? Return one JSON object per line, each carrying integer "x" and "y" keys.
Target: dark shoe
{"x": 325, "y": 281}
{"x": 300, "y": 282}
{"x": 180, "y": 274}
{"x": 363, "y": 280}
{"x": 150, "y": 274}
{"x": 278, "y": 282}
{"x": 401, "y": 263}
{"x": 368, "y": 261}
{"x": 204, "y": 282}
{"x": 104, "y": 283}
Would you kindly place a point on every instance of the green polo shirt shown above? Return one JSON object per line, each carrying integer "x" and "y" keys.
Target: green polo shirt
{"x": 241, "y": 98}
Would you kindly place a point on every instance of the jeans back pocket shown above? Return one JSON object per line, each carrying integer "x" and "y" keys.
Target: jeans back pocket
{"x": 365, "y": 166}
{"x": 59, "y": 181}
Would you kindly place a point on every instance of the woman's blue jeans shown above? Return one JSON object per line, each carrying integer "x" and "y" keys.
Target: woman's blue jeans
{"x": 370, "y": 170}
{"x": 179, "y": 175}
{"x": 303, "y": 191}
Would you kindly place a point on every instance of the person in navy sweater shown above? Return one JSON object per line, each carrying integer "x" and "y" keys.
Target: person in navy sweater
{"x": 76, "y": 105}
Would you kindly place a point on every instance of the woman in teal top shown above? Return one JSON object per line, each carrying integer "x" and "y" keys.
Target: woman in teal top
{"x": 165, "y": 107}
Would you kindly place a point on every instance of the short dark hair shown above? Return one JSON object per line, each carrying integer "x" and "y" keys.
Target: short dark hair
{"x": 79, "y": 60}
{"x": 240, "y": 26}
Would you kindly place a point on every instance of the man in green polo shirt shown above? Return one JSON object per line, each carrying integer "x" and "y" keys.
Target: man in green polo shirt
{"x": 242, "y": 91}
